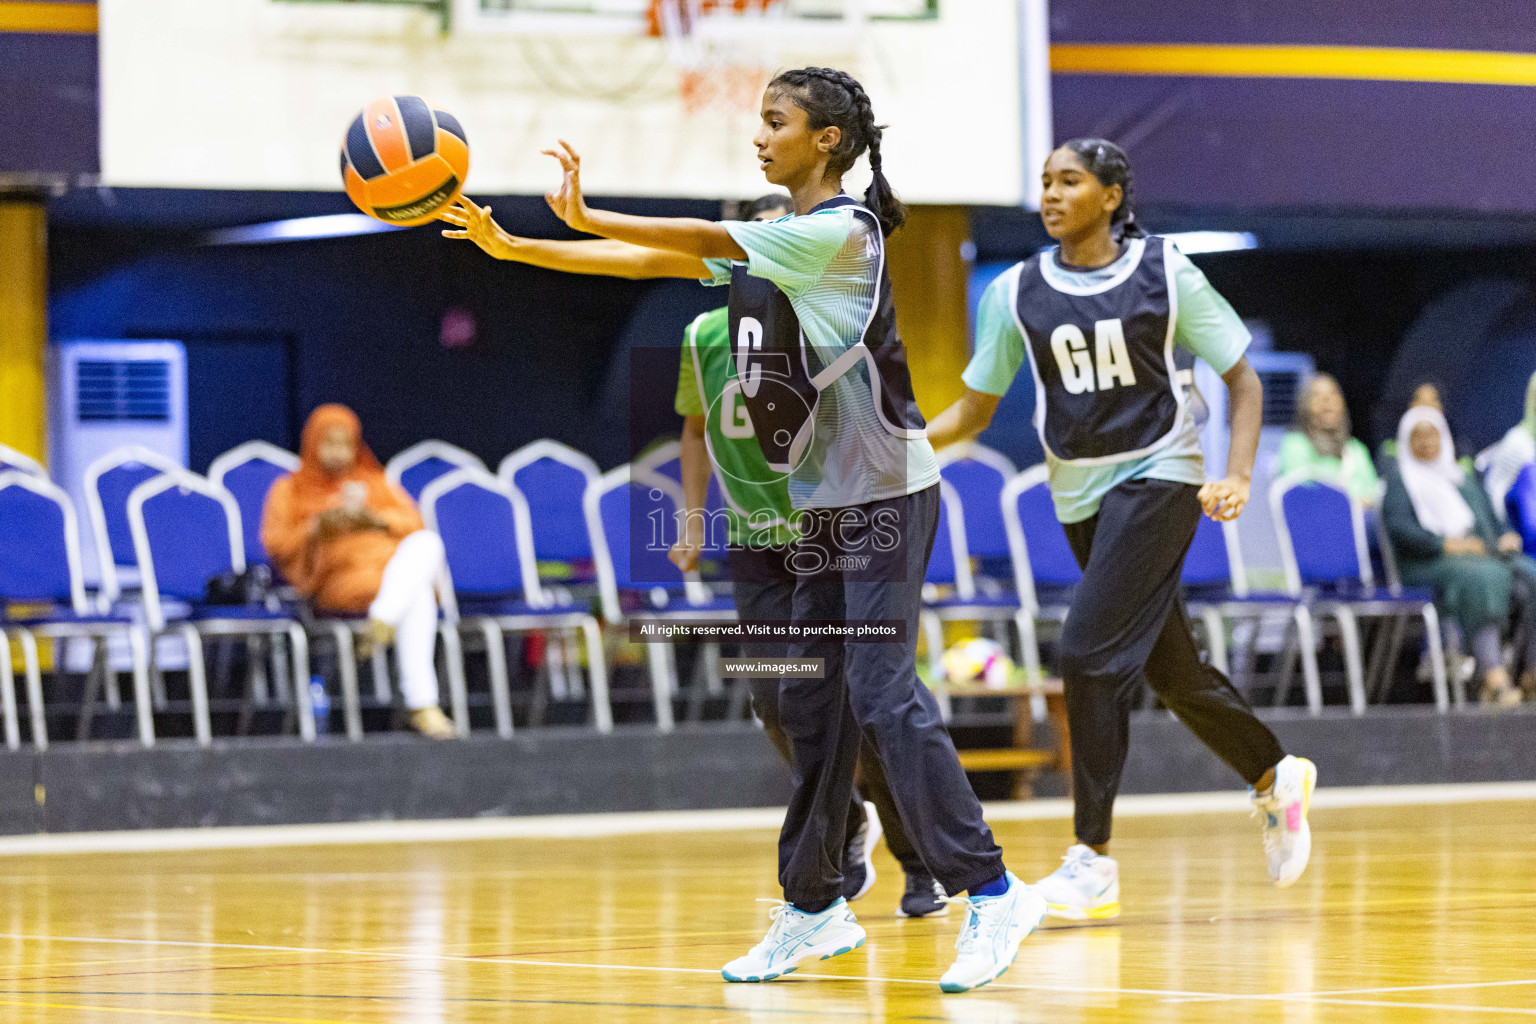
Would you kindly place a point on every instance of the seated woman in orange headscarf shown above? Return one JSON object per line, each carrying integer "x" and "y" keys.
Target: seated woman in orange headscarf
{"x": 354, "y": 544}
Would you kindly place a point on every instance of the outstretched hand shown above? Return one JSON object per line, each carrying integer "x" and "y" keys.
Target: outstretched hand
{"x": 1223, "y": 500}
{"x": 475, "y": 223}
{"x": 567, "y": 201}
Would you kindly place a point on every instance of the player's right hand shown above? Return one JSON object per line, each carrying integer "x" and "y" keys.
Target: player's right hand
{"x": 567, "y": 201}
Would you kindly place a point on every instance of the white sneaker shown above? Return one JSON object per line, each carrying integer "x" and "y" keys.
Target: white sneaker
{"x": 1085, "y": 888}
{"x": 1287, "y": 836}
{"x": 795, "y": 937}
{"x": 989, "y": 939}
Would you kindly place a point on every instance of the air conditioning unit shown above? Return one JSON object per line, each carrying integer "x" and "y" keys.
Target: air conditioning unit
{"x": 104, "y": 395}
{"x": 1283, "y": 374}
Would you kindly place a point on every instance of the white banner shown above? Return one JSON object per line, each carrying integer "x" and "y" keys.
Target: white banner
{"x": 256, "y": 94}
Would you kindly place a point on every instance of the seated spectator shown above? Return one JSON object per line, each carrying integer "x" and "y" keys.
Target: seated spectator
{"x": 354, "y": 544}
{"x": 1321, "y": 444}
{"x": 1513, "y": 453}
{"x": 1448, "y": 539}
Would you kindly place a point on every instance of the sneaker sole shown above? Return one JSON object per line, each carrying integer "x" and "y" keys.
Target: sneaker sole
{"x": 953, "y": 989}
{"x": 1066, "y": 912}
{"x": 1309, "y": 783}
{"x": 810, "y": 954}
{"x": 940, "y": 911}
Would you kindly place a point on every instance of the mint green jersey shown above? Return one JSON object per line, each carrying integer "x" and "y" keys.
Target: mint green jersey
{"x": 757, "y": 498}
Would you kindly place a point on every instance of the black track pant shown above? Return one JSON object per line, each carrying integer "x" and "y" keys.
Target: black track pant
{"x": 1128, "y": 620}
{"x": 871, "y": 692}
{"x": 773, "y": 599}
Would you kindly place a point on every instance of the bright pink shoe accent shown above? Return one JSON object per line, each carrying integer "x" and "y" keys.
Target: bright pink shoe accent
{"x": 1293, "y": 817}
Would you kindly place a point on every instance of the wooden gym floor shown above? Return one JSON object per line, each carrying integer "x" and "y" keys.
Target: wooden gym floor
{"x": 1408, "y": 913}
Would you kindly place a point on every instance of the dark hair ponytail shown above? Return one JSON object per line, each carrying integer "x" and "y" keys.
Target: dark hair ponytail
{"x": 831, "y": 97}
{"x": 1108, "y": 163}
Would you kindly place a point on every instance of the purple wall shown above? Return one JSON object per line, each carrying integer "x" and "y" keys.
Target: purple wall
{"x": 1325, "y": 144}
{"x": 49, "y": 115}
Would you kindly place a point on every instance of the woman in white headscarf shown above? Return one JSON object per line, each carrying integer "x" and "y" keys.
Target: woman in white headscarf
{"x": 1447, "y": 538}
{"x": 1513, "y": 453}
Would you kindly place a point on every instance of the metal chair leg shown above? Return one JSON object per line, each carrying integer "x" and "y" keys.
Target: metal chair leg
{"x": 299, "y": 641}
{"x": 1029, "y": 648}
{"x": 1354, "y": 674}
{"x": 496, "y": 668}
{"x": 197, "y": 677}
{"x": 143, "y": 709}
{"x": 933, "y": 632}
{"x": 597, "y": 669}
{"x": 1216, "y": 637}
{"x": 380, "y": 663}
{"x": 458, "y": 687}
{"x": 1306, "y": 639}
{"x": 346, "y": 667}
{"x": 661, "y": 686}
{"x": 1437, "y": 663}
{"x": 555, "y": 663}
{"x": 34, "y": 690}
{"x": 109, "y": 677}
{"x": 8, "y": 694}
{"x": 574, "y": 689}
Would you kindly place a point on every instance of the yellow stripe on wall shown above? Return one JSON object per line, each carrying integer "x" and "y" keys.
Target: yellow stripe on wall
{"x": 1389, "y": 64}
{"x": 23, "y": 16}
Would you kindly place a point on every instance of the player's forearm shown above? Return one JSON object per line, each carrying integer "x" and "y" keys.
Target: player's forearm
{"x": 1245, "y": 395}
{"x": 689, "y": 235}
{"x": 967, "y": 417}
{"x": 601, "y": 256}
{"x": 694, "y": 459}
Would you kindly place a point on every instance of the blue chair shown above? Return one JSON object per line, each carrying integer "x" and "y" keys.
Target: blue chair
{"x": 424, "y": 462}
{"x": 185, "y": 532}
{"x": 40, "y": 569}
{"x": 979, "y": 474}
{"x": 108, "y": 482}
{"x": 1520, "y": 507}
{"x": 553, "y": 478}
{"x": 632, "y": 521}
{"x": 1216, "y": 589}
{"x": 494, "y": 587}
{"x": 248, "y": 471}
{"x": 1331, "y": 573}
{"x": 1044, "y": 568}
{"x": 11, "y": 459}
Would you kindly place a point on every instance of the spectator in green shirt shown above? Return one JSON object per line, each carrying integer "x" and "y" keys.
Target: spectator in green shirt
{"x": 1321, "y": 443}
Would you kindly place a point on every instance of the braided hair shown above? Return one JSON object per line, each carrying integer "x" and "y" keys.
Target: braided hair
{"x": 1108, "y": 163}
{"x": 831, "y": 97}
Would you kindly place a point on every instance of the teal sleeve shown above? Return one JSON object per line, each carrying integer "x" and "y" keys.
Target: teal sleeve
{"x": 999, "y": 345}
{"x": 792, "y": 252}
{"x": 720, "y": 268}
{"x": 1207, "y": 325}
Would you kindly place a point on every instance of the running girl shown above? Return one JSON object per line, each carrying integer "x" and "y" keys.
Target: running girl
{"x": 1098, "y": 318}
{"x": 810, "y": 305}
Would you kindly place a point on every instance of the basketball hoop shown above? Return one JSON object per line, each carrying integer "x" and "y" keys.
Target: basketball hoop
{"x": 723, "y": 50}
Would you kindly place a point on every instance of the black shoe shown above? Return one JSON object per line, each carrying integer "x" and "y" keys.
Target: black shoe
{"x": 924, "y": 898}
{"x": 859, "y": 857}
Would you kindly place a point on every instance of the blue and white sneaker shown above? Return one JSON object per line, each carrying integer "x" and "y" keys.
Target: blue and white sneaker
{"x": 1085, "y": 888}
{"x": 795, "y": 937}
{"x": 994, "y": 928}
{"x": 1287, "y": 835}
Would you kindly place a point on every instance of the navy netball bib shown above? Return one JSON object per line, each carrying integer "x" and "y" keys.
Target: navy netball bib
{"x": 780, "y": 378}
{"x": 1102, "y": 354}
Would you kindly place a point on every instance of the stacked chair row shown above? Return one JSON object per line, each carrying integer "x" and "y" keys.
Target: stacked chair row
{"x": 1003, "y": 522}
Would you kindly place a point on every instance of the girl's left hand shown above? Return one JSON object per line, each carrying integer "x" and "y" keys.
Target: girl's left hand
{"x": 1223, "y": 500}
{"x": 475, "y": 223}
{"x": 1510, "y": 543}
{"x": 567, "y": 201}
